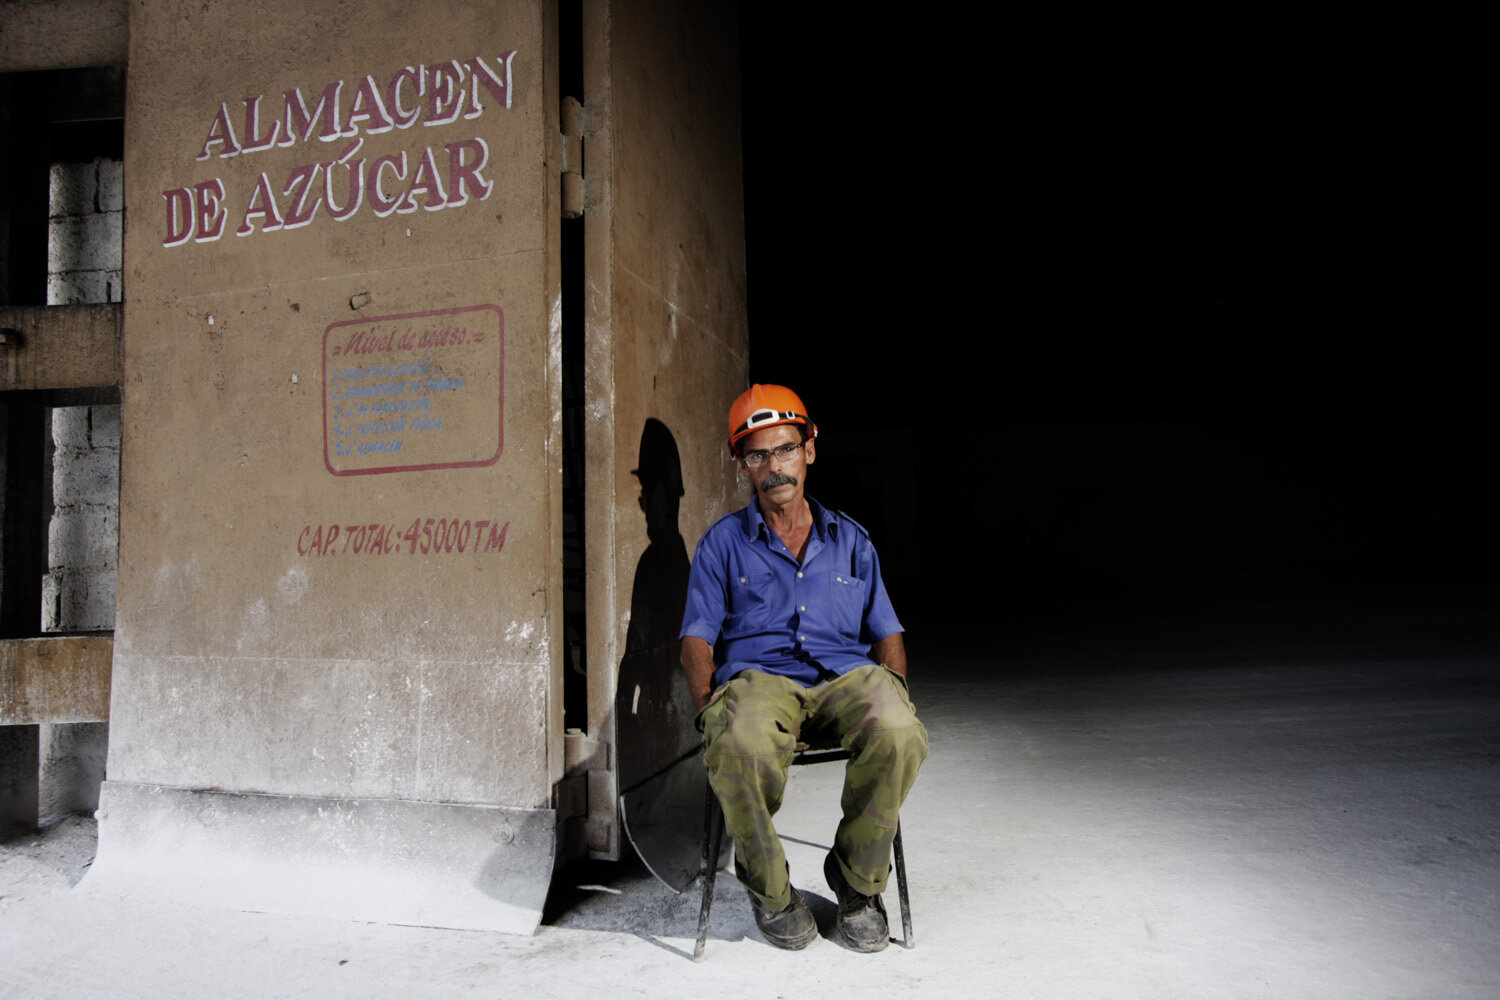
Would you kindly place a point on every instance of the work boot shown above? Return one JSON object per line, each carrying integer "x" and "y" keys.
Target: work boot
{"x": 861, "y": 924}
{"x": 792, "y": 927}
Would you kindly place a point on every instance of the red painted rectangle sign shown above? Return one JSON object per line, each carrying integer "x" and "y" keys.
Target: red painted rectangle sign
{"x": 415, "y": 391}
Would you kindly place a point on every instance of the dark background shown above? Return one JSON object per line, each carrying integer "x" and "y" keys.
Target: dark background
{"x": 1090, "y": 309}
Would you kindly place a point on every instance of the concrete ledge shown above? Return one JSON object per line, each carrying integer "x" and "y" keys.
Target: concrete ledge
{"x": 418, "y": 863}
{"x": 60, "y": 347}
{"x": 59, "y": 34}
{"x": 55, "y": 679}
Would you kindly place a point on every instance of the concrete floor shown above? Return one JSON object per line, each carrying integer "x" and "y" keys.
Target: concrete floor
{"x": 1236, "y": 796}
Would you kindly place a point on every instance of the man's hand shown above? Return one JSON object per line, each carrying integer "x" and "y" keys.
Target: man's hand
{"x": 698, "y": 664}
{"x": 890, "y": 651}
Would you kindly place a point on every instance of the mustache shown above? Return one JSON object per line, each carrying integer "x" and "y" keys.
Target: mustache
{"x": 776, "y": 479}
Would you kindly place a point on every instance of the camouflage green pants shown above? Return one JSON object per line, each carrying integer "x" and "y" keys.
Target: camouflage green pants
{"x": 750, "y": 730}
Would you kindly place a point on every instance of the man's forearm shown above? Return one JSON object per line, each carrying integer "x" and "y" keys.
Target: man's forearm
{"x": 890, "y": 651}
{"x": 698, "y": 664}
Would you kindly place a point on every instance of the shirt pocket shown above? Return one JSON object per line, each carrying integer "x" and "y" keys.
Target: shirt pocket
{"x": 846, "y": 595}
{"x": 752, "y": 601}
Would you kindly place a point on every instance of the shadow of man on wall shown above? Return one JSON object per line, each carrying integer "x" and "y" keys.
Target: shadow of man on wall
{"x": 662, "y": 782}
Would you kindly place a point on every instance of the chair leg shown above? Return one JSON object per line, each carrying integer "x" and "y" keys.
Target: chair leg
{"x": 909, "y": 936}
{"x": 708, "y": 865}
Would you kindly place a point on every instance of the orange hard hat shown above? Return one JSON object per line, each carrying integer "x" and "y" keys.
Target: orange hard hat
{"x": 762, "y": 406}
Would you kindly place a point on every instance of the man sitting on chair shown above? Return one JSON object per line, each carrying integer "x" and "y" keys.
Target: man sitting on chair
{"x": 788, "y": 633}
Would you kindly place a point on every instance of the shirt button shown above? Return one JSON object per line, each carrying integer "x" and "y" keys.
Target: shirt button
{"x": 743, "y": 580}
{"x": 839, "y": 579}
{"x": 799, "y": 574}
{"x": 802, "y": 607}
{"x": 801, "y": 638}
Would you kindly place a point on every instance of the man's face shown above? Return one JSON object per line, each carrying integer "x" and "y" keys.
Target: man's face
{"x": 779, "y": 481}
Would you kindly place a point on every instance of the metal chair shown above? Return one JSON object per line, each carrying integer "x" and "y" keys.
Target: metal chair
{"x": 713, "y": 835}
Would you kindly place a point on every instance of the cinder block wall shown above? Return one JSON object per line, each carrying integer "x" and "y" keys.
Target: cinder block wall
{"x": 84, "y": 250}
{"x": 84, "y": 266}
{"x": 78, "y": 592}
{"x": 85, "y": 233}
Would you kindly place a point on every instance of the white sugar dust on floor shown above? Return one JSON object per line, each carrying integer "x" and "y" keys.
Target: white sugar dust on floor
{"x": 1227, "y": 801}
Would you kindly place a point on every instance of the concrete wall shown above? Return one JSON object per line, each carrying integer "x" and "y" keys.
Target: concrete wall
{"x": 338, "y": 628}
{"x": 292, "y": 653}
{"x": 72, "y": 762}
{"x": 58, "y": 34}
{"x": 339, "y": 532}
{"x": 667, "y": 346}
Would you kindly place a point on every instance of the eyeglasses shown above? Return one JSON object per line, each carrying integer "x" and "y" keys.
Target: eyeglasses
{"x": 755, "y": 459}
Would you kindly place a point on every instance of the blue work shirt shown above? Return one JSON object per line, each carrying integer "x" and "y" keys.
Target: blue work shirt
{"x": 759, "y": 608}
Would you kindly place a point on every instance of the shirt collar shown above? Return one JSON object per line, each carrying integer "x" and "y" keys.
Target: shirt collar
{"x": 823, "y": 520}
